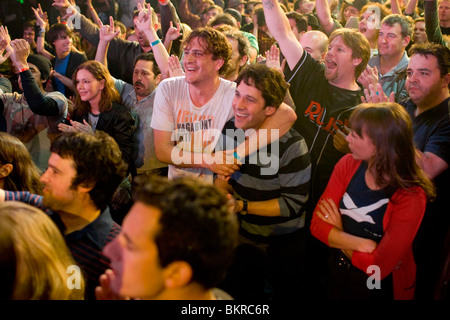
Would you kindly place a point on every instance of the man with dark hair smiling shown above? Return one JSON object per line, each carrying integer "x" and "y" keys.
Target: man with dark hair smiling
{"x": 269, "y": 198}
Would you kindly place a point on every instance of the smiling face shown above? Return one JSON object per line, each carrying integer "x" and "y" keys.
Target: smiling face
{"x": 199, "y": 66}
{"x": 88, "y": 87}
{"x": 62, "y": 44}
{"x": 249, "y": 107}
{"x": 134, "y": 255}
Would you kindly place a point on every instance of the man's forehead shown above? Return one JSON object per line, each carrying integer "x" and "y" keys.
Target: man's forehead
{"x": 416, "y": 62}
{"x": 144, "y": 64}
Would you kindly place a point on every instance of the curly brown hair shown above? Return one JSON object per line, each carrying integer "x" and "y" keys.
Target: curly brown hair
{"x": 214, "y": 42}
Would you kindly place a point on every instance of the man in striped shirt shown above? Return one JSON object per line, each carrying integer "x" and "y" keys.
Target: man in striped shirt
{"x": 269, "y": 196}
{"x": 83, "y": 173}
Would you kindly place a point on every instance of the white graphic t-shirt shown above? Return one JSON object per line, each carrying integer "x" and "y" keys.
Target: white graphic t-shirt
{"x": 194, "y": 129}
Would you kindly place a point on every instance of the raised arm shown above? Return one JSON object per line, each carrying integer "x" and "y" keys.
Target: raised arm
{"x": 107, "y": 33}
{"x": 144, "y": 22}
{"x": 92, "y": 13}
{"x": 37, "y": 101}
{"x": 279, "y": 27}
{"x": 432, "y": 27}
{"x": 40, "y": 41}
{"x": 324, "y": 15}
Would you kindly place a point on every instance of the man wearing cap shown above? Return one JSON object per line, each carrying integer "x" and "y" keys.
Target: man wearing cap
{"x": 33, "y": 116}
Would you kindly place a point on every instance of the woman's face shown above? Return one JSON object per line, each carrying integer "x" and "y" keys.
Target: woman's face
{"x": 362, "y": 147}
{"x": 88, "y": 87}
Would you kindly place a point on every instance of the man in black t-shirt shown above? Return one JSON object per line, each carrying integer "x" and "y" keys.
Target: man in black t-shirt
{"x": 324, "y": 98}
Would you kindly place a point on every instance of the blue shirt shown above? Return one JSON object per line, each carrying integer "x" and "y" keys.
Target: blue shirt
{"x": 61, "y": 68}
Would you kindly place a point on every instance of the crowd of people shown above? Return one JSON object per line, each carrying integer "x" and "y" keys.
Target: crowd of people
{"x": 225, "y": 149}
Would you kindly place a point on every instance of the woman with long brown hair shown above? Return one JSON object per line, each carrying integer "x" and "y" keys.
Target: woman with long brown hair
{"x": 373, "y": 206}
{"x": 17, "y": 170}
{"x": 98, "y": 107}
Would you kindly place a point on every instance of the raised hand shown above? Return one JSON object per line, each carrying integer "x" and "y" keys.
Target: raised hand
{"x": 273, "y": 59}
{"x": 144, "y": 20}
{"x": 41, "y": 17}
{"x": 368, "y": 76}
{"x": 175, "y": 69}
{"x": 21, "y": 50}
{"x": 375, "y": 94}
{"x": 173, "y": 33}
{"x": 107, "y": 32}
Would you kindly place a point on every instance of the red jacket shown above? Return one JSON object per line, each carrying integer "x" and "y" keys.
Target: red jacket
{"x": 401, "y": 221}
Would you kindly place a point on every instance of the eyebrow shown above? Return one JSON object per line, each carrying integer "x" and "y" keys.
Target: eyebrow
{"x": 54, "y": 168}
{"x": 127, "y": 238}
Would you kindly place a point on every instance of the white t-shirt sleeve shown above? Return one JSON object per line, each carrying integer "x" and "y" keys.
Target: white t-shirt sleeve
{"x": 163, "y": 107}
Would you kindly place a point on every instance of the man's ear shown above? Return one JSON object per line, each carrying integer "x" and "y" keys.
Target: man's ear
{"x": 445, "y": 80}
{"x": 158, "y": 79}
{"x": 270, "y": 110}
{"x": 5, "y": 170}
{"x": 219, "y": 63}
{"x": 357, "y": 61}
{"x": 85, "y": 187}
{"x": 177, "y": 274}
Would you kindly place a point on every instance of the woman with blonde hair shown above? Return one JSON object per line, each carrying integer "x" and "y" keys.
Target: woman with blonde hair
{"x": 373, "y": 206}
{"x": 17, "y": 170}
{"x": 98, "y": 107}
{"x": 34, "y": 258}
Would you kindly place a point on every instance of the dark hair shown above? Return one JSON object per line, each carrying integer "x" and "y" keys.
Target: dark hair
{"x": 148, "y": 56}
{"x": 243, "y": 43}
{"x": 269, "y": 81}
{"x": 196, "y": 225}
{"x": 300, "y": 20}
{"x": 98, "y": 162}
{"x": 56, "y": 30}
{"x": 122, "y": 27}
{"x": 405, "y": 22}
{"x": 109, "y": 93}
{"x": 440, "y": 52}
{"x": 215, "y": 43}
{"x": 29, "y": 24}
{"x": 24, "y": 175}
{"x": 389, "y": 127}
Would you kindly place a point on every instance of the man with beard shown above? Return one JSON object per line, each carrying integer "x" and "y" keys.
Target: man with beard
{"x": 83, "y": 173}
{"x": 324, "y": 99}
{"x": 139, "y": 97}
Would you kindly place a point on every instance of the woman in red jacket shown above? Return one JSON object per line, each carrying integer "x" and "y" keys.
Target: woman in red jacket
{"x": 372, "y": 208}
